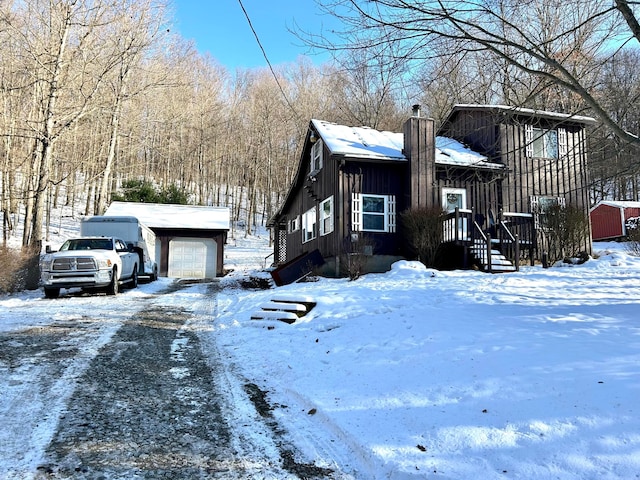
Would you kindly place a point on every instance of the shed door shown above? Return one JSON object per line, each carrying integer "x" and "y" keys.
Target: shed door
{"x": 192, "y": 258}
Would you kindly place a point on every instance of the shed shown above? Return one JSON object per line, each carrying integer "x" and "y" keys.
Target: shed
{"x": 608, "y": 218}
{"x": 189, "y": 239}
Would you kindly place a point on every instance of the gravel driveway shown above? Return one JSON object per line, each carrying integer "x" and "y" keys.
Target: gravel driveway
{"x": 151, "y": 405}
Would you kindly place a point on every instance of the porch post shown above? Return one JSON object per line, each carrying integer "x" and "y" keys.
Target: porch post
{"x": 489, "y": 268}
{"x": 517, "y": 253}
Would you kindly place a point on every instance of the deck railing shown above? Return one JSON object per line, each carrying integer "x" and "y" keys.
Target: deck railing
{"x": 513, "y": 234}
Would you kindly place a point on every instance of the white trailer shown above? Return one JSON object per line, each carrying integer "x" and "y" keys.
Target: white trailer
{"x": 133, "y": 232}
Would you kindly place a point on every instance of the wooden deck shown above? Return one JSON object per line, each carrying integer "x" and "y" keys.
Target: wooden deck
{"x": 500, "y": 247}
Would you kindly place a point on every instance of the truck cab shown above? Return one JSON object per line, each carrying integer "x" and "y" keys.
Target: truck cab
{"x": 89, "y": 263}
{"x": 137, "y": 235}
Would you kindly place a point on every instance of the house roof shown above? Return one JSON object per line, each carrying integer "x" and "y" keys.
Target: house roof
{"x": 452, "y": 152}
{"x": 360, "y": 142}
{"x": 156, "y": 215}
{"x": 368, "y": 143}
{"x": 524, "y": 112}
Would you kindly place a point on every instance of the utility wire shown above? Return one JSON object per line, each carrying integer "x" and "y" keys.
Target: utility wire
{"x": 264, "y": 54}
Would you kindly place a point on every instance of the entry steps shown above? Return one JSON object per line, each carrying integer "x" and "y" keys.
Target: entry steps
{"x": 499, "y": 263}
{"x": 286, "y": 308}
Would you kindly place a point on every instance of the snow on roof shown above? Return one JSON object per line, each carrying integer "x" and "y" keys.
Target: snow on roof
{"x": 452, "y": 152}
{"x": 619, "y": 204}
{"x": 366, "y": 142}
{"x": 526, "y": 111}
{"x": 360, "y": 142}
{"x": 155, "y": 215}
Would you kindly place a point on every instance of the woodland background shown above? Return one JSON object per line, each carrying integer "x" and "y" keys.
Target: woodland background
{"x": 98, "y": 93}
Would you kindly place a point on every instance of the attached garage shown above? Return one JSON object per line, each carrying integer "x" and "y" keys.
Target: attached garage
{"x": 192, "y": 258}
{"x": 189, "y": 239}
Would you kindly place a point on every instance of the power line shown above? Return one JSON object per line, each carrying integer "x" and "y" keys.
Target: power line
{"x": 264, "y": 54}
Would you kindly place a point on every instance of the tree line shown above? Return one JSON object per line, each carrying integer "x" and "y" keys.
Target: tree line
{"x": 98, "y": 93}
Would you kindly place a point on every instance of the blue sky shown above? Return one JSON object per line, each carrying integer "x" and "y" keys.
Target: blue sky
{"x": 221, "y": 28}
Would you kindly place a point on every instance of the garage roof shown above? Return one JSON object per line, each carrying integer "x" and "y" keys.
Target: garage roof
{"x": 156, "y": 215}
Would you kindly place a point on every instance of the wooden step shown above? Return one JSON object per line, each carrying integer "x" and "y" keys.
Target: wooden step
{"x": 284, "y": 298}
{"x": 499, "y": 263}
{"x": 286, "y": 308}
{"x": 287, "y": 317}
{"x": 297, "y": 308}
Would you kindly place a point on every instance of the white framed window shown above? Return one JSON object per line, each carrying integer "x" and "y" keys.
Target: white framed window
{"x": 316, "y": 157}
{"x": 326, "y": 216}
{"x": 309, "y": 225}
{"x": 541, "y": 143}
{"x": 562, "y": 142}
{"x": 544, "y": 205}
{"x": 373, "y": 213}
{"x": 294, "y": 224}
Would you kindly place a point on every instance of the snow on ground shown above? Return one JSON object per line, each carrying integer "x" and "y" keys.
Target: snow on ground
{"x": 417, "y": 373}
{"x": 424, "y": 374}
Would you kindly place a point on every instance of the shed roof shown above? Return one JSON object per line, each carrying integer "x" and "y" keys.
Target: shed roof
{"x": 622, "y": 204}
{"x": 156, "y": 215}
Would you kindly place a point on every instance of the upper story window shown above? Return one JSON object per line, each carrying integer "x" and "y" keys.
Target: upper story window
{"x": 545, "y": 143}
{"x": 373, "y": 213}
{"x": 316, "y": 157}
{"x": 326, "y": 216}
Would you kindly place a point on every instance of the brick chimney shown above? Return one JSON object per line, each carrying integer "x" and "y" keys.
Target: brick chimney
{"x": 420, "y": 150}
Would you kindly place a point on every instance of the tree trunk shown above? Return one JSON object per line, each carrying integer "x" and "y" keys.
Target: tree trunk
{"x": 46, "y": 136}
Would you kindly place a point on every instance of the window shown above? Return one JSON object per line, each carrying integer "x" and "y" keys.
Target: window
{"x": 309, "y": 222}
{"x": 294, "y": 224}
{"x": 453, "y": 198}
{"x": 373, "y": 213}
{"x": 543, "y": 206}
{"x": 316, "y": 157}
{"x": 326, "y": 216}
{"x": 541, "y": 143}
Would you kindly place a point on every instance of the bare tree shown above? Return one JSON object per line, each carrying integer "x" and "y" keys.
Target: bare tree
{"x": 364, "y": 90}
{"x": 63, "y": 44}
{"x": 128, "y": 40}
{"x": 560, "y": 44}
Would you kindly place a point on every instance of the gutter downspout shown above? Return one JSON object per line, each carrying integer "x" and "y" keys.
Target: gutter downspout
{"x": 340, "y": 220}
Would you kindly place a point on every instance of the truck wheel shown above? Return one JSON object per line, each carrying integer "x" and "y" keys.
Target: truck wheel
{"x": 134, "y": 278}
{"x": 51, "y": 292}
{"x": 112, "y": 289}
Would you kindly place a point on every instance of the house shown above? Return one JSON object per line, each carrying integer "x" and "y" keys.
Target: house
{"x": 494, "y": 170}
{"x": 609, "y": 218}
{"x": 189, "y": 239}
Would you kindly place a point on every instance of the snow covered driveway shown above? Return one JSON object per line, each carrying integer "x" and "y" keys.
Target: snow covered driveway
{"x": 411, "y": 374}
{"x": 104, "y": 387}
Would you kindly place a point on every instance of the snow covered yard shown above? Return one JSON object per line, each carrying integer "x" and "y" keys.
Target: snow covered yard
{"x": 410, "y": 374}
{"x": 425, "y": 374}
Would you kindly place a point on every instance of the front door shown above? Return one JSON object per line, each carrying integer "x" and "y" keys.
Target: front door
{"x": 453, "y": 198}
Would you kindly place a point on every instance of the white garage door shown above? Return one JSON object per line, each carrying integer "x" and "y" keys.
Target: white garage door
{"x": 192, "y": 258}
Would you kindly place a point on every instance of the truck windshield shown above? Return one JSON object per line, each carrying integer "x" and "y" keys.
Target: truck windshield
{"x": 87, "y": 244}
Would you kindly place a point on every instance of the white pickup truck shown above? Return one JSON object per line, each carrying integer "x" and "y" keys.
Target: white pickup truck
{"x": 89, "y": 263}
